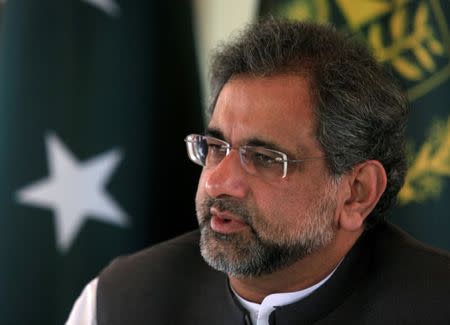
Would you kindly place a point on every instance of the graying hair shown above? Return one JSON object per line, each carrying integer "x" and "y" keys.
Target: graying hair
{"x": 360, "y": 110}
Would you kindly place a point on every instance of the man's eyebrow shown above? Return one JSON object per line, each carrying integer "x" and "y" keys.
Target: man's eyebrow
{"x": 217, "y": 133}
{"x": 214, "y": 132}
{"x": 258, "y": 142}
{"x": 271, "y": 145}
{"x": 262, "y": 143}
{"x": 254, "y": 141}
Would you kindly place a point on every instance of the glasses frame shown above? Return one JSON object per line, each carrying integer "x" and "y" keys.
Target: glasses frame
{"x": 190, "y": 140}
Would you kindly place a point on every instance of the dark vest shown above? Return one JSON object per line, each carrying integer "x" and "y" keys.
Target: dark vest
{"x": 386, "y": 278}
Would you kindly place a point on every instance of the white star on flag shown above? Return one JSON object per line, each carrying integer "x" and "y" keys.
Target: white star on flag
{"x": 108, "y": 6}
{"x": 75, "y": 191}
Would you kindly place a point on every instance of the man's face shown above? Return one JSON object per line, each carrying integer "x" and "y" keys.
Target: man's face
{"x": 252, "y": 226}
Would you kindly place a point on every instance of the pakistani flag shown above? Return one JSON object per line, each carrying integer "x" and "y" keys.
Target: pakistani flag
{"x": 412, "y": 38}
{"x": 96, "y": 97}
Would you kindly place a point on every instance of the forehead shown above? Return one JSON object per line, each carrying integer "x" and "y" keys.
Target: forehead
{"x": 276, "y": 109}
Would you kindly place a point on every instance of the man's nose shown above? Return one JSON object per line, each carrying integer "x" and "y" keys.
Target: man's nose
{"x": 227, "y": 178}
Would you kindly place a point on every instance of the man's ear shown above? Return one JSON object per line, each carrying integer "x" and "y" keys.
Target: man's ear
{"x": 366, "y": 183}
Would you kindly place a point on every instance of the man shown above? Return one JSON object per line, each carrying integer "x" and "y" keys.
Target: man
{"x": 302, "y": 159}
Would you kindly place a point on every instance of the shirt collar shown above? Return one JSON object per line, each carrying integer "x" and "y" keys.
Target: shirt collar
{"x": 259, "y": 313}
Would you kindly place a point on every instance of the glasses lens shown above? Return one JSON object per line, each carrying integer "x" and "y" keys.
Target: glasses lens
{"x": 216, "y": 150}
{"x": 262, "y": 162}
{"x": 196, "y": 148}
{"x": 206, "y": 151}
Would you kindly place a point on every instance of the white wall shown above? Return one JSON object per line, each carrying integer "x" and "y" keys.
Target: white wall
{"x": 214, "y": 21}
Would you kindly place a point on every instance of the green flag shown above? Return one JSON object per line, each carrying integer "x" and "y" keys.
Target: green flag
{"x": 412, "y": 38}
{"x": 95, "y": 100}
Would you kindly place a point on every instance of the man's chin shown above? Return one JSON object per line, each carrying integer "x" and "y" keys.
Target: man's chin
{"x": 243, "y": 254}
{"x": 227, "y": 253}
{"x": 221, "y": 242}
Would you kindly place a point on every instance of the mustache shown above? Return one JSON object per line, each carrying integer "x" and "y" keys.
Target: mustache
{"x": 225, "y": 204}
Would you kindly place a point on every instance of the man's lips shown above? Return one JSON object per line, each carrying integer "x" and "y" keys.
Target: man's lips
{"x": 225, "y": 222}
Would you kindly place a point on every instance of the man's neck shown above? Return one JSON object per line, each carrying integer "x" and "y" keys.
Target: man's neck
{"x": 298, "y": 276}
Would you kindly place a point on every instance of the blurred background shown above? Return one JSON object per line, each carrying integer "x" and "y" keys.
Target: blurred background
{"x": 96, "y": 97}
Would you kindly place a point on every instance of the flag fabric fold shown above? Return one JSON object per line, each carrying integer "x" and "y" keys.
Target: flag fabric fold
{"x": 95, "y": 100}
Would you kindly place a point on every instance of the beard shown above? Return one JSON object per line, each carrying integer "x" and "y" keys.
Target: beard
{"x": 264, "y": 248}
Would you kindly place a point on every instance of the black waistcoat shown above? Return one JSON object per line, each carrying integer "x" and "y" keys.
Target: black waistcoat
{"x": 387, "y": 278}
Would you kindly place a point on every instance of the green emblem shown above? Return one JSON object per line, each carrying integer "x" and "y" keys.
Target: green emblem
{"x": 413, "y": 38}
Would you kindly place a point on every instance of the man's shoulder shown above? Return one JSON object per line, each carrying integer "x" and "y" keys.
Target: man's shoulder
{"x": 164, "y": 270}
{"x": 394, "y": 245}
{"x": 401, "y": 261}
{"x": 187, "y": 243}
{"x": 389, "y": 278}
{"x": 164, "y": 259}
{"x": 167, "y": 283}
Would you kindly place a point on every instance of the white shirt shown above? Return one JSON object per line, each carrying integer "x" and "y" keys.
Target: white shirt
{"x": 84, "y": 309}
{"x": 259, "y": 313}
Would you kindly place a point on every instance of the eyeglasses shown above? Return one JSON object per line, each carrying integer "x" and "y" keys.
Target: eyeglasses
{"x": 259, "y": 161}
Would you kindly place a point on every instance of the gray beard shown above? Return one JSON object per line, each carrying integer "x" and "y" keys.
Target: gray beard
{"x": 244, "y": 255}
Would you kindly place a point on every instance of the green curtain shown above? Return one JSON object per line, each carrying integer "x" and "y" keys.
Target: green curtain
{"x": 95, "y": 100}
{"x": 412, "y": 38}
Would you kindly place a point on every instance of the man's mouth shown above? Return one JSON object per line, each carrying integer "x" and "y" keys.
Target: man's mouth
{"x": 225, "y": 222}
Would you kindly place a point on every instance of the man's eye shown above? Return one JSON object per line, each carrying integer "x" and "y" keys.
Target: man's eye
{"x": 212, "y": 147}
{"x": 263, "y": 160}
